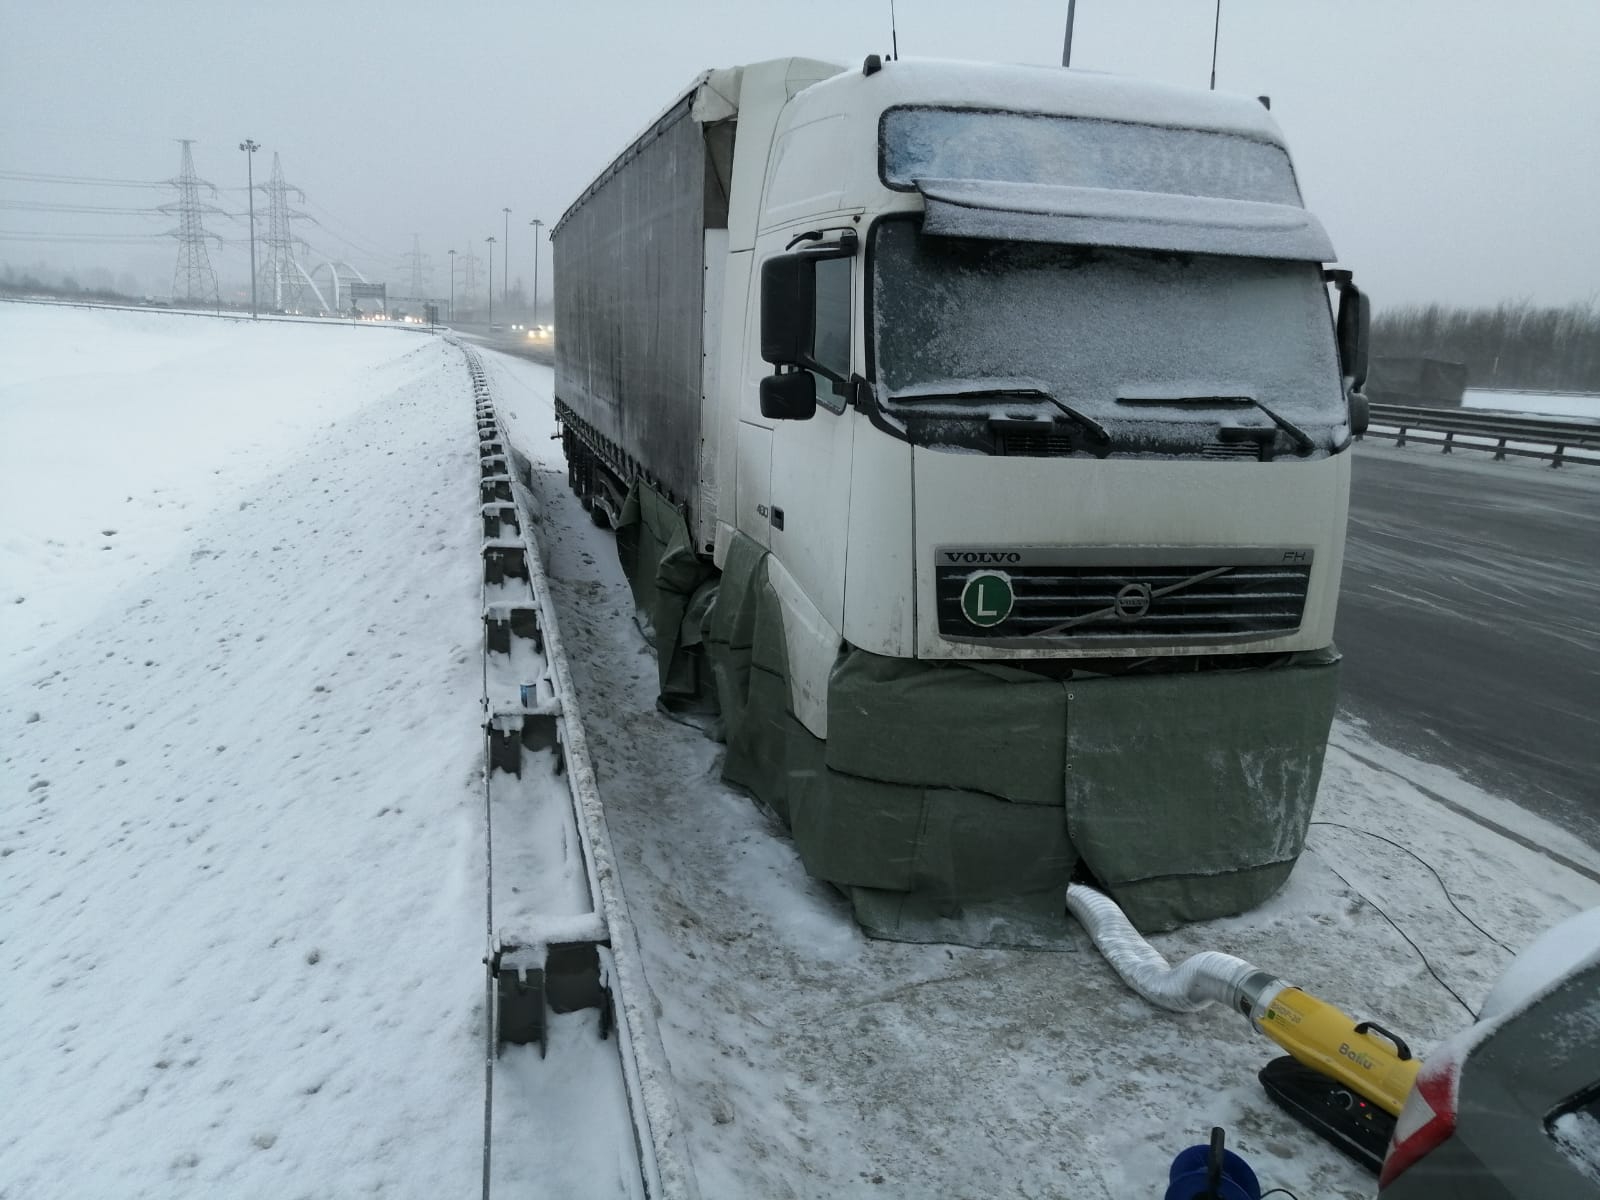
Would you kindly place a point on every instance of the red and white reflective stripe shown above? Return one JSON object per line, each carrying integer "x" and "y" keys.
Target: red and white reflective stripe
{"x": 1426, "y": 1121}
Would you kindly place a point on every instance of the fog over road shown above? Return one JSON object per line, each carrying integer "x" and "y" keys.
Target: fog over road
{"x": 1470, "y": 622}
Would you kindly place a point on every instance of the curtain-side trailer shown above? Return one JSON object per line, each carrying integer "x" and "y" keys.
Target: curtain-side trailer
{"x": 978, "y": 441}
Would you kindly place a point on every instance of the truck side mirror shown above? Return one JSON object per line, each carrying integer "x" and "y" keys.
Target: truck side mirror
{"x": 1360, "y": 413}
{"x": 789, "y": 396}
{"x": 788, "y": 301}
{"x": 1353, "y": 330}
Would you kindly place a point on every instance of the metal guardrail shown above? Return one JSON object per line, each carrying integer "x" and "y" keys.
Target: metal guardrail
{"x": 568, "y": 944}
{"x": 1558, "y": 439}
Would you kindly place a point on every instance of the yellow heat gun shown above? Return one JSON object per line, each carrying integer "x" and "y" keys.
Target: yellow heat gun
{"x": 1364, "y": 1057}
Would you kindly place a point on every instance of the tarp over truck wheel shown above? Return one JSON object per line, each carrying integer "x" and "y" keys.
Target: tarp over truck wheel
{"x": 952, "y": 801}
{"x": 671, "y": 585}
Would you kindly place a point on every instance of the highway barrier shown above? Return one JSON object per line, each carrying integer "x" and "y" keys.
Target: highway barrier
{"x": 1558, "y": 439}
{"x": 560, "y": 939}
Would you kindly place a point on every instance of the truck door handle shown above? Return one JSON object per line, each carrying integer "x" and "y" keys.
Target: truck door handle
{"x": 777, "y": 517}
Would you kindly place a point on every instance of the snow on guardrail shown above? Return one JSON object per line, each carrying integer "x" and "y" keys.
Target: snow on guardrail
{"x": 574, "y": 1103}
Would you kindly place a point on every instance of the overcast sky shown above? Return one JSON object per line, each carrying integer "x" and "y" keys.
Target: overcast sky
{"x": 1450, "y": 146}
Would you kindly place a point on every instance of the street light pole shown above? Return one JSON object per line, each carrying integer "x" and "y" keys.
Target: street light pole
{"x": 250, "y": 147}
{"x": 1216, "y": 32}
{"x": 452, "y": 285}
{"x": 537, "y": 225}
{"x": 505, "y": 260}
{"x": 491, "y": 241}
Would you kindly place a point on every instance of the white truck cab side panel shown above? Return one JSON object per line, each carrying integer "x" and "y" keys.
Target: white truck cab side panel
{"x": 811, "y": 643}
{"x": 879, "y": 591}
{"x": 764, "y": 89}
{"x": 754, "y": 472}
{"x": 810, "y": 511}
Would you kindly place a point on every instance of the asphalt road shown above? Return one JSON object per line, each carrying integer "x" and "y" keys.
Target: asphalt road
{"x": 1470, "y": 622}
{"x": 509, "y": 341}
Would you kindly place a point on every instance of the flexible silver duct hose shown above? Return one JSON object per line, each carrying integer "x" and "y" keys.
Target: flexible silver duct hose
{"x": 1205, "y": 978}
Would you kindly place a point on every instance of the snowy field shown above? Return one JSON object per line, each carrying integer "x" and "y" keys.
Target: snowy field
{"x": 1556, "y": 404}
{"x": 240, "y": 881}
{"x": 123, "y": 429}
{"x": 240, "y": 858}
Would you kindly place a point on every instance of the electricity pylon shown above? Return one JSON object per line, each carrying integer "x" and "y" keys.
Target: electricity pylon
{"x": 421, "y": 267}
{"x": 193, "y": 279}
{"x": 281, "y": 276}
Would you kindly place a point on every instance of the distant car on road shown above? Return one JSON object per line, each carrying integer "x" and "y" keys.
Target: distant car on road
{"x": 1509, "y": 1109}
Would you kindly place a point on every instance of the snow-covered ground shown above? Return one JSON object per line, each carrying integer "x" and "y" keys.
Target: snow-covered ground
{"x": 1557, "y": 404}
{"x": 241, "y": 897}
{"x": 122, "y": 430}
{"x": 240, "y": 854}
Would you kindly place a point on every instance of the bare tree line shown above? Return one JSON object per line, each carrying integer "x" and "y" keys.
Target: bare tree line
{"x": 1515, "y": 345}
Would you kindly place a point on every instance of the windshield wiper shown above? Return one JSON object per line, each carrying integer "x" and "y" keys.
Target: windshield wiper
{"x": 966, "y": 389}
{"x": 1300, "y": 437}
{"x": 1302, "y": 440}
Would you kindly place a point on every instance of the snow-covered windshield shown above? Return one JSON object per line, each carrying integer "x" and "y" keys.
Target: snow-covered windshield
{"x": 1166, "y": 353}
{"x": 942, "y": 143}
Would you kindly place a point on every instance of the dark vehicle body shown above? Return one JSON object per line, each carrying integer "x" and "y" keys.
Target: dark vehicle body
{"x": 1526, "y": 1100}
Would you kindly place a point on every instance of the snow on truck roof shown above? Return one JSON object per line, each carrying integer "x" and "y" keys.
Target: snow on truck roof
{"x": 713, "y": 95}
{"x": 1055, "y": 91}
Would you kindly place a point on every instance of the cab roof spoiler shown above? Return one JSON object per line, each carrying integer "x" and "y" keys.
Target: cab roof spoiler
{"x": 1082, "y": 216}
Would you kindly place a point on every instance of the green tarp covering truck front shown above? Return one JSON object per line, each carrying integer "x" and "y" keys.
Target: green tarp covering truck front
{"x": 953, "y": 801}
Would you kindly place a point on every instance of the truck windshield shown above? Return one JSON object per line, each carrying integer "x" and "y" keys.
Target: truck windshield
{"x": 1166, "y": 353}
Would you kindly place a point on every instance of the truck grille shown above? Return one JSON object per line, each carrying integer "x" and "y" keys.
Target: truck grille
{"x": 1028, "y": 444}
{"x": 1104, "y": 597}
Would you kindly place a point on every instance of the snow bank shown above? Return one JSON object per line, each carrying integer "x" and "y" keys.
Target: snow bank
{"x": 241, "y": 893}
{"x": 1556, "y": 404}
{"x": 123, "y": 431}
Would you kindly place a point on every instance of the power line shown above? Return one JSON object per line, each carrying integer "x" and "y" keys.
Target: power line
{"x": 85, "y": 238}
{"x": 365, "y": 260}
{"x": 82, "y": 180}
{"x": 330, "y": 224}
{"x": 42, "y": 206}
{"x": 191, "y": 233}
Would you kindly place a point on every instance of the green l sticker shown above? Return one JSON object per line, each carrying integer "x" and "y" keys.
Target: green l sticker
{"x": 987, "y": 598}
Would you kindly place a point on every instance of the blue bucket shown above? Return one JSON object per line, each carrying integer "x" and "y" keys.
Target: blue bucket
{"x": 1188, "y": 1176}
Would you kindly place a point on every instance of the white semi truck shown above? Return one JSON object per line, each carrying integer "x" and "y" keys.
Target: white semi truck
{"x": 978, "y": 439}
